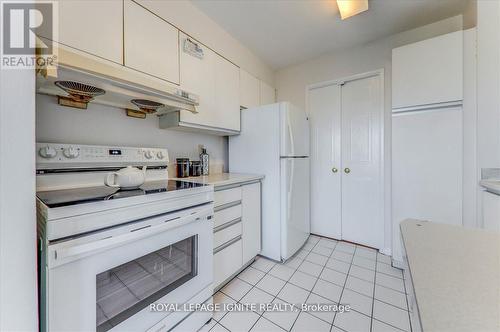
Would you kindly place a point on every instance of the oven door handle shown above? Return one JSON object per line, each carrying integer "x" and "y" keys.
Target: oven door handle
{"x": 67, "y": 254}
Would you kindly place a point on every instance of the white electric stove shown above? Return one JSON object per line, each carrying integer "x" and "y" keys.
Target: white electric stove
{"x": 107, "y": 255}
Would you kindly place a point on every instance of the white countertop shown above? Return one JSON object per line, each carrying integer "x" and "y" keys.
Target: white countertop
{"x": 456, "y": 276}
{"x": 491, "y": 185}
{"x": 223, "y": 179}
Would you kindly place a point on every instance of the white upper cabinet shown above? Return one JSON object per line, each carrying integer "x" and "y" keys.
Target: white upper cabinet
{"x": 227, "y": 94}
{"x": 93, "y": 26}
{"x": 267, "y": 94}
{"x": 216, "y": 82}
{"x": 249, "y": 90}
{"x": 428, "y": 72}
{"x": 198, "y": 76}
{"x": 151, "y": 44}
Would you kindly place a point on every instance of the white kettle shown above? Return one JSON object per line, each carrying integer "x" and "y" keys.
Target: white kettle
{"x": 126, "y": 178}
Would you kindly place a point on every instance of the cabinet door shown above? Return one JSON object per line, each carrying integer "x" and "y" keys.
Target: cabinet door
{"x": 226, "y": 262}
{"x": 491, "y": 211}
{"x": 428, "y": 72}
{"x": 227, "y": 95}
{"x": 267, "y": 94}
{"x": 216, "y": 82}
{"x": 151, "y": 44}
{"x": 251, "y": 218}
{"x": 93, "y": 26}
{"x": 249, "y": 90}
{"x": 198, "y": 76}
{"x": 427, "y": 160}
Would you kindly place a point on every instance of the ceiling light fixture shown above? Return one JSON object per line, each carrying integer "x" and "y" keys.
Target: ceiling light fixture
{"x": 350, "y": 8}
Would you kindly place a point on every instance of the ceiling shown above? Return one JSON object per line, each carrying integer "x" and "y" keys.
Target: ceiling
{"x": 286, "y": 32}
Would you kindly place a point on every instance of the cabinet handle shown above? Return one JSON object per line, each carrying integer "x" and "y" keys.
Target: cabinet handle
{"x": 347, "y": 170}
{"x": 335, "y": 170}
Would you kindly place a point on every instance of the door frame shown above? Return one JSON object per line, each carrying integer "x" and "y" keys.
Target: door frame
{"x": 385, "y": 159}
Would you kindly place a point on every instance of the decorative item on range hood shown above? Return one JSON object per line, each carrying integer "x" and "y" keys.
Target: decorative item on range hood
{"x": 75, "y": 87}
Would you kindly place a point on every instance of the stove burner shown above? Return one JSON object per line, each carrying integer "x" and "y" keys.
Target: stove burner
{"x": 67, "y": 197}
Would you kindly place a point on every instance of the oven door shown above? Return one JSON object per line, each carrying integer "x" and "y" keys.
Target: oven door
{"x": 108, "y": 280}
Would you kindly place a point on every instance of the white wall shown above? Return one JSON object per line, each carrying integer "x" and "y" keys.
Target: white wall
{"x": 291, "y": 82}
{"x": 18, "y": 299}
{"x": 188, "y": 18}
{"x": 102, "y": 125}
{"x": 488, "y": 87}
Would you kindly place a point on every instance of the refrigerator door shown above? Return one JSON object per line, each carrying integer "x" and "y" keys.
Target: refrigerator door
{"x": 294, "y": 131}
{"x": 295, "y": 224}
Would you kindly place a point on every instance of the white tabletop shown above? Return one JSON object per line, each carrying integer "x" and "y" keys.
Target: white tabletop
{"x": 456, "y": 276}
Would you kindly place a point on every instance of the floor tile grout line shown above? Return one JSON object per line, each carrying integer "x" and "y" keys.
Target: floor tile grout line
{"x": 275, "y": 296}
{"x": 253, "y": 286}
{"x": 386, "y": 323}
{"x": 311, "y": 292}
{"x": 343, "y": 288}
{"x": 407, "y": 305}
{"x": 317, "y": 278}
{"x": 373, "y": 298}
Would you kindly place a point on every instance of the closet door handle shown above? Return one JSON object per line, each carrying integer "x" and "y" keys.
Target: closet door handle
{"x": 347, "y": 170}
{"x": 334, "y": 170}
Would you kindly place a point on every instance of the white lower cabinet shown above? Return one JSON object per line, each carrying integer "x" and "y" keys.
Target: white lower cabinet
{"x": 251, "y": 220}
{"x": 491, "y": 211}
{"x": 237, "y": 229}
{"x": 227, "y": 261}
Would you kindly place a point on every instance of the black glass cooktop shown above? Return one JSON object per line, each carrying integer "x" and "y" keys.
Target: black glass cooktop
{"x": 66, "y": 197}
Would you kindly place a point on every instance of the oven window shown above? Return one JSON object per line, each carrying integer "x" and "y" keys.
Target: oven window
{"x": 126, "y": 289}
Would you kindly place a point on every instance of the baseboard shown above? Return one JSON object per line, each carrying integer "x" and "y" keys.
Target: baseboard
{"x": 386, "y": 251}
{"x": 398, "y": 264}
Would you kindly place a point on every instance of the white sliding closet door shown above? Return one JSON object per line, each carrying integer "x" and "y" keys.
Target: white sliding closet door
{"x": 362, "y": 180}
{"x": 324, "y": 116}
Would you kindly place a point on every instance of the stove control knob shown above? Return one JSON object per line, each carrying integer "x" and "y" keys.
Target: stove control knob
{"x": 148, "y": 154}
{"x": 160, "y": 155}
{"x": 71, "y": 152}
{"x": 47, "y": 152}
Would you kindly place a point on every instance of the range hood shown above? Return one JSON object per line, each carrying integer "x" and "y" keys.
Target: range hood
{"x": 112, "y": 85}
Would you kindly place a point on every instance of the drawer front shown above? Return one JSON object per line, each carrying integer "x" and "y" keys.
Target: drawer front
{"x": 226, "y": 215}
{"x": 227, "y": 196}
{"x": 227, "y": 262}
{"x": 227, "y": 233}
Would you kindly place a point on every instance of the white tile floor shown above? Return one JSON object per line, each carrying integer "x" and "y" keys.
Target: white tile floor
{"x": 324, "y": 271}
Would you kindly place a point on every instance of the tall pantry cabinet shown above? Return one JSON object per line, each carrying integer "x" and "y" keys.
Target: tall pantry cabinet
{"x": 427, "y": 132}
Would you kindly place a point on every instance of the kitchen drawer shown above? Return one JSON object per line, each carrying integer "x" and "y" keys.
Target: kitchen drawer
{"x": 227, "y": 261}
{"x": 227, "y": 215}
{"x": 227, "y": 196}
{"x": 227, "y": 232}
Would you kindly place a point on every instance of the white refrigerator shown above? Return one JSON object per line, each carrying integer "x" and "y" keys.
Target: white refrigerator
{"x": 274, "y": 141}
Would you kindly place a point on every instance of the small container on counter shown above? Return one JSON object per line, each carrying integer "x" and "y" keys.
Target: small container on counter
{"x": 182, "y": 166}
{"x": 195, "y": 169}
